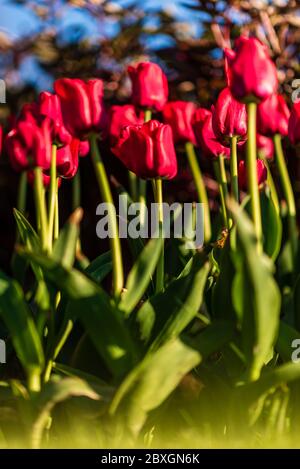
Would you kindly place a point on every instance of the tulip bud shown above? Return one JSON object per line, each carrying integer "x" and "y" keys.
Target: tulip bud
{"x": 229, "y": 118}
{"x": 265, "y": 145}
{"x": 121, "y": 116}
{"x": 273, "y": 116}
{"x": 179, "y": 115}
{"x": 67, "y": 159}
{"x": 148, "y": 150}
{"x": 206, "y": 137}
{"x": 149, "y": 85}
{"x": 49, "y": 106}
{"x": 82, "y": 106}
{"x": 242, "y": 173}
{"x": 294, "y": 124}
{"x": 251, "y": 74}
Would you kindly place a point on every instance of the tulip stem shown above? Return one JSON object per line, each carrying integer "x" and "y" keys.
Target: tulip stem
{"x": 234, "y": 168}
{"x": 76, "y": 190}
{"x": 251, "y": 163}
{"x": 158, "y": 196}
{"x": 40, "y": 204}
{"x": 200, "y": 187}
{"x": 118, "y": 279}
{"x": 288, "y": 194}
{"x": 22, "y": 193}
{"x": 148, "y": 115}
{"x": 56, "y": 219}
{"x": 52, "y": 196}
{"x": 132, "y": 185}
{"x": 220, "y": 172}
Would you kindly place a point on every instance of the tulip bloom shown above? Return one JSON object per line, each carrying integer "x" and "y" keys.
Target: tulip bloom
{"x": 29, "y": 145}
{"x": 206, "y": 138}
{"x": 251, "y": 74}
{"x": 49, "y": 106}
{"x": 67, "y": 159}
{"x": 179, "y": 115}
{"x": 261, "y": 173}
{"x": 265, "y": 145}
{"x": 198, "y": 120}
{"x": 84, "y": 148}
{"x": 148, "y": 150}
{"x": 273, "y": 116}
{"x": 121, "y": 116}
{"x": 82, "y": 106}
{"x": 149, "y": 85}
{"x": 229, "y": 118}
{"x": 294, "y": 124}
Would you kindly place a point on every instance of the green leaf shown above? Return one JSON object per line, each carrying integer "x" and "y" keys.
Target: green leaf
{"x": 92, "y": 306}
{"x": 272, "y": 227}
{"x": 64, "y": 250}
{"x": 18, "y": 320}
{"x": 296, "y": 298}
{"x": 28, "y": 235}
{"x": 100, "y": 267}
{"x": 140, "y": 275}
{"x": 212, "y": 338}
{"x": 165, "y": 315}
{"x": 256, "y": 295}
{"x": 222, "y": 304}
{"x": 286, "y": 337}
{"x": 152, "y": 381}
{"x": 55, "y": 391}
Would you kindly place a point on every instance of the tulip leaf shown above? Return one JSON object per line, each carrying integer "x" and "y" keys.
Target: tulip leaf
{"x": 152, "y": 381}
{"x": 166, "y": 314}
{"x": 17, "y": 318}
{"x": 222, "y": 304}
{"x": 92, "y": 306}
{"x": 100, "y": 267}
{"x": 27, "y": 233}
{"x": 141, "y": 275}
{"x": 256, "y": 295}
{"x": 64, "y": 250}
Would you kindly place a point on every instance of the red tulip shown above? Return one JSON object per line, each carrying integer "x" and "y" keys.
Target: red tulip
{"x": 229, "y": 118}
{"x": 251, "y": 74}
{"x": 294, "y": 124}
{"x": 149, "y": 85}
{"x": 265, "y": 145}
{"x": 121, "y": 116}
{"x": 68, "y": 159}
{"x": 179, "y": 115}
{"x": 82, "y": 105}
{"x": 49, "y": 106}
{"x": 273, "y": 116}
{"x": 84, "y": 148}
{"x": 198, "y": 120}
{"x": 206, "y": 138}
{"x": 242, "y": 173}
{"x": 29, "y": 145}
{"x": 148, "y": 150}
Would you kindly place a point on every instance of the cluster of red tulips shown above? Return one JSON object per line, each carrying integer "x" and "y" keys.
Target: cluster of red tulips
{"x": 248, "y": 119}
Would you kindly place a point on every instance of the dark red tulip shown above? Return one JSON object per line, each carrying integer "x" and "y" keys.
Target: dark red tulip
{"x": 82, "y": 105}
{"x": 29, "y": 145}
{"x": 149, "y": 85}
{"x": 198, "y": 120}
{"x": 121, "y": 116}
{"x": 68, "y": 159}
{"x": 207, "y": 140}
{"x": 179, "y": 115}
{"x": 148, "y": 150}
{"x": 251, "y": 74}
{"x": 229, "y": 118}
{"x": 265, "y": 145}
{"x": 294, "y": 124}
{"x": 242, "y": 173}
{"x": 273, "y": 116}
{"x": 49, "y": 106}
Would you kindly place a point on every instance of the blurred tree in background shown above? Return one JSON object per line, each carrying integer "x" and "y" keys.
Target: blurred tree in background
{"x": 41, "y": 40}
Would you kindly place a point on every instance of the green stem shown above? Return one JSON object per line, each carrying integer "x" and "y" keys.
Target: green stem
{"x": 41, "y": 211}
{"x": 52, "y": 196}
{"x": 22, "y": 193}
{"x": 142, "y": 199}
{"x": 118, "y": 279}
{"x": 158, "y": 195}
{"x": 67, "y": 328}
{"x": 200, "y": 187}
{"x": 132, "y": 185}
{"x": 288, "y": 194}
{"x": 252, "y": 174}
{"x": 220, "y": 172}
{"x": 148, "y": 115}
{"x": 34, "y": 380}
{"x": 76, "y": 191}
{"x": 234, "y": 168}
{"x": 56, "y": 219}
{"x": 271, "y": 184}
